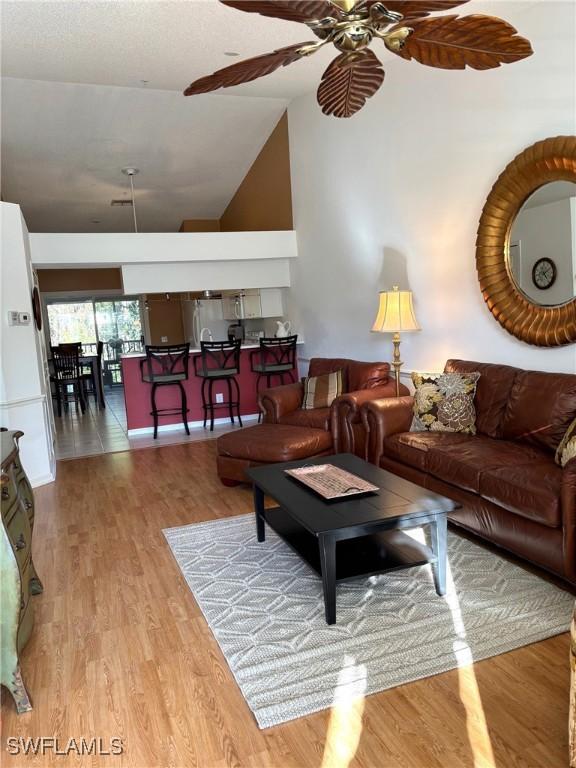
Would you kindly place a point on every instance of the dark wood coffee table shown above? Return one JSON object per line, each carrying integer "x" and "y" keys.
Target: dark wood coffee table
{"x": 353, "y": 537}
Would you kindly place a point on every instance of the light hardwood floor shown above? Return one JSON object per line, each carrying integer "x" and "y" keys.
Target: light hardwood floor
{"x": 120, "y": 649}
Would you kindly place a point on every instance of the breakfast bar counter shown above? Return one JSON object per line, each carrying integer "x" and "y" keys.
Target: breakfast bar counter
{"x": 137, "y": 395}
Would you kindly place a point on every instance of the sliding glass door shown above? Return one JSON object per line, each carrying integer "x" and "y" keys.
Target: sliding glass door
{"x": 72, "y": 321}
{"x": 114, "y": 321}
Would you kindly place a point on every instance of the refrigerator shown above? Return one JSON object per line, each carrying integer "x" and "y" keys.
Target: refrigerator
{"x": 207, "y": 314}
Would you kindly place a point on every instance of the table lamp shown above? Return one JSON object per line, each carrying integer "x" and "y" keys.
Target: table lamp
{"x": 395, "y": 315}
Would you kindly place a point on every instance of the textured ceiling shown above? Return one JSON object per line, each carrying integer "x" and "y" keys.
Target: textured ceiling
{"x": 75, "y": 109}
{"x": 122, "y": 42}
{"x": 64, "y": 144}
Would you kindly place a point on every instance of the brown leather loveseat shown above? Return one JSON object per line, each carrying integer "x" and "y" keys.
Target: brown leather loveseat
{"x": 511, "y": 490}
{"x": 363, "y": 381}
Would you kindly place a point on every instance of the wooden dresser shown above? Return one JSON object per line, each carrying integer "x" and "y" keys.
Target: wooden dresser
{"x": 18, "y": 578}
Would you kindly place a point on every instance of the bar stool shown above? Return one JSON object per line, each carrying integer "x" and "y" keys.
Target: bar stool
{"x": 92, "y": 374}
{"x": 67, "y": 376}
{"x": 219, "y": 361}
{"x": 275, "y": 357}
{"x": 165, "y": 366}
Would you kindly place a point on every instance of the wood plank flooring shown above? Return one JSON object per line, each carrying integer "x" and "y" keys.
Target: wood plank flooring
{"x": 120, "y": 649}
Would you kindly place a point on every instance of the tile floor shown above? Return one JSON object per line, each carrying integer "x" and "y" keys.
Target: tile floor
{"x": 104, "y": 430}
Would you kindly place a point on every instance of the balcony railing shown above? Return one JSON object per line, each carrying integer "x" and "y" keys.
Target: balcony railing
{"x": 111, "y": 368}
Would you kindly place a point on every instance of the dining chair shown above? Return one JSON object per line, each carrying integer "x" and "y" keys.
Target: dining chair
{"x": 91, "y": 373}
{"x": 67, "y": 377}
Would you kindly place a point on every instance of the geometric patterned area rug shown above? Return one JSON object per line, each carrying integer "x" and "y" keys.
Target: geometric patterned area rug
{"x": 265, "y": 608}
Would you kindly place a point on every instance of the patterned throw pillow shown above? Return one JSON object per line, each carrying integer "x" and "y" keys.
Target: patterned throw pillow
{"x": 321, "y": 391}
{"x": 567, "y": 448}
{"x": 444, "y": 402}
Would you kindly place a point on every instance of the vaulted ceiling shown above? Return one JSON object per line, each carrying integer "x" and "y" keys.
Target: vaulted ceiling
{"x": 76, "y": 109}
{"x": 92, "y": 87}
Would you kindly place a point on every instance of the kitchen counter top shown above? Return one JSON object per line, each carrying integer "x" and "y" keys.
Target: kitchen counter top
{"x": 196, "y": 350}
{"x": 137, "y": 394}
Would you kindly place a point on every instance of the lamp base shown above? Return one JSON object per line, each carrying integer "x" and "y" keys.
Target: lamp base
{"x": 396, "y": 361}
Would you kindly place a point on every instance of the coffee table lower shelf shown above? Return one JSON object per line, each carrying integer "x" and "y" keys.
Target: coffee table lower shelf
{"x": 355, "y": 557}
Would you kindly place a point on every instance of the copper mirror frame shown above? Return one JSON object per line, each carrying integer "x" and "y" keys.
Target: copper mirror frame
{"x": 549, "y": 160}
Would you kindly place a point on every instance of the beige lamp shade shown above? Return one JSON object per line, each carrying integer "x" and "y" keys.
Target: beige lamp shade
{"x": 395, "y": 312}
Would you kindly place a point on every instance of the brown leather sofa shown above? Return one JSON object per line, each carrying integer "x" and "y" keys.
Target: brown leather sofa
{"x": 511, "y": 490}
{"x": 362, "y": 382}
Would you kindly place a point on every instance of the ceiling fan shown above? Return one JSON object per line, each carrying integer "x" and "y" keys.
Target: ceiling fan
{"x": 404, "y": 26}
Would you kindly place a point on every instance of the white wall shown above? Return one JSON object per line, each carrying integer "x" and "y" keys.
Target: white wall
{"x": 23, "y": 396}
{"x": 393, "y": 196}
{"x": 117, "y": 248}
{"x": 545, "y": 231}
{"x": 201, "y": 275}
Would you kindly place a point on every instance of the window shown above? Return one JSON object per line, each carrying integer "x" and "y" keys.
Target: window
{"x": 118, "y": 320}
{"x": 72, "y": 321}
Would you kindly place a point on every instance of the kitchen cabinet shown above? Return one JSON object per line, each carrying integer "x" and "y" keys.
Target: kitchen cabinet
{"x": 231, "y": 307}
{"x": 267, "y": 302}
{"x": 252, "y": 306}
{"x": 271, "y": 302}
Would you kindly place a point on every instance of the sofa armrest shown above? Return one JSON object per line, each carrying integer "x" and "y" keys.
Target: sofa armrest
{"x": 278, "y": 401}
{"x": 345, "y": 412}
{"x": 568, "y": 505}
{"x": 382, "y": 418}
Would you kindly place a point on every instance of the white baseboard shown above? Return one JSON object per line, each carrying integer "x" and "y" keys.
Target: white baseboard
{"x": 191, "y": 425}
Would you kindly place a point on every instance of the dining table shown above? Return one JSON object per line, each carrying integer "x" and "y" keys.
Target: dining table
{"x": 90, "y": 361}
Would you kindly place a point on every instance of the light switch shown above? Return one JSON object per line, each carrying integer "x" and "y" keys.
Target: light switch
{"x": 164, "y": 339}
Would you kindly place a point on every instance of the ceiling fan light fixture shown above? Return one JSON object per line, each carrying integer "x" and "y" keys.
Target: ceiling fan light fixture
{"x": 404, "y": 26}
{"x": 130, "y": 171}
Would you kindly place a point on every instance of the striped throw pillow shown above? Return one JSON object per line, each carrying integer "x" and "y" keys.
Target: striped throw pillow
{"x": 321, "y": 391}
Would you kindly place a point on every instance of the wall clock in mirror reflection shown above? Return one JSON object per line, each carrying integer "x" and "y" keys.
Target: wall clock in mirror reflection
{"x": 544, "y": 273}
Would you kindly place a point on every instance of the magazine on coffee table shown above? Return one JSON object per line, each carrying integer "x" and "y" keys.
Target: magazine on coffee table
{"x": 331, "y": 482}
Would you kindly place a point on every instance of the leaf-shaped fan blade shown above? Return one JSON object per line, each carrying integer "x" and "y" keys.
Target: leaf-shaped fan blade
{"x": 349, "y": 80}
{"x": 290, "y": 10}
{"x": 244, "y": 71}
{"x": 452, "y": 42}
{"x": 415, "y": 9}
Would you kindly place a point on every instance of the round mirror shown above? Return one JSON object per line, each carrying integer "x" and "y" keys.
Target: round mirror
{"x": 542, "y": 245}
{"x": 526, "y": 244}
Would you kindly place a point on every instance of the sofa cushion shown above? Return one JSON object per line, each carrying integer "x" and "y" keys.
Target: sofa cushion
{"x": 412, "y": 447}
{"x": 444, "y": 402}
{"x": 463, "y": 464}
{"x": 357, "y": 374}
{"x": 266, "y": 443}
{"x": 492, "y": 392}
{"x": 529, "y": 490}
{"x": 317, "y": 418}
{"x": 321, "y": 365}
{"x": 540, "y": 408}
{"x": 367, "y": 375}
